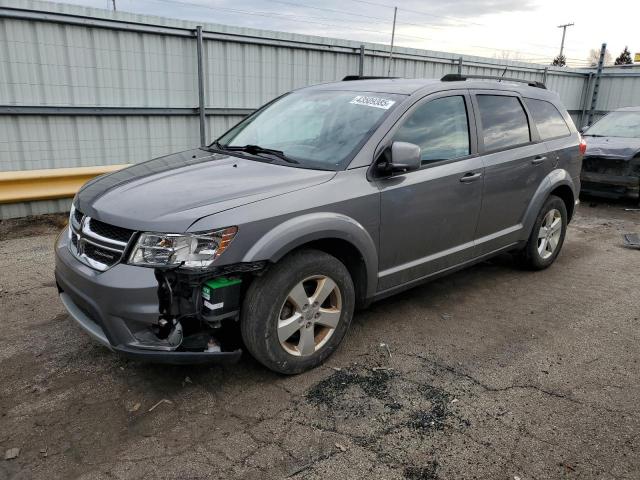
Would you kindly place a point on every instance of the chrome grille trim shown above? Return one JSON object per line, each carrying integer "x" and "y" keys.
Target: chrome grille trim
{"x": 81, "y": 235}
{"x": 86, "y": 229}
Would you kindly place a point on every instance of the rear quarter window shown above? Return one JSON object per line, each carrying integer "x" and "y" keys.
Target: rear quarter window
{"x": 504, "y": 122}
{"x": 548, "y": 119}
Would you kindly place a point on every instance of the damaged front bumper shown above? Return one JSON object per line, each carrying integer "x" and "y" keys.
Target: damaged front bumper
{"x": 610, "y": 177}
{"x": 119, "y": 307}
{"x": 608, "y": 185}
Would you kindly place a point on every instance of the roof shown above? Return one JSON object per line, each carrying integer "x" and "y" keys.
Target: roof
{"x": 408, "y": 86}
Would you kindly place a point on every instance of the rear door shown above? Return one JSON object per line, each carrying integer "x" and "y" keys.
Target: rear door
{"x": 429, "y": 216}
{"x": 515, "y": 162}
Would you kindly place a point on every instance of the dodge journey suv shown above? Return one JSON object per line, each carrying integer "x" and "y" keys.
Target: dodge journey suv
{"x": 324, "y": 200}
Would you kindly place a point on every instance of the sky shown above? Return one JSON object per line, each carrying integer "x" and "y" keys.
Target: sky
{"x": 524, "y": 30}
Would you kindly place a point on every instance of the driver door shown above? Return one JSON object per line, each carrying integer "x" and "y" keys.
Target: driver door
{"x": 429, "y": 216}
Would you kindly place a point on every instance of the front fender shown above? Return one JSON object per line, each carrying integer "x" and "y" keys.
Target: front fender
{"x": 287, "y": 236}
{"x": 556, "y": 178}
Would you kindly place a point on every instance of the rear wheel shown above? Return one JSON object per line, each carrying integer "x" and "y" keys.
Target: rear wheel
{"x": 547, "y": 236}
{"x": 297, "y": 314}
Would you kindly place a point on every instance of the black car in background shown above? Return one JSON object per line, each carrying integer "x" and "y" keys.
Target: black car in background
{"x": 611, "y": 165}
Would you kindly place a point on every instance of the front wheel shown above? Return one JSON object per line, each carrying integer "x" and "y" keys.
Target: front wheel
{"x": 297, "y": 314}
{"x": 547, "y": 236}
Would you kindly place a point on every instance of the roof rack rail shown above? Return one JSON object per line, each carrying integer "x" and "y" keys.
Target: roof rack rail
{"x": 348, "y": 78}
{"x": 455, "y": 77}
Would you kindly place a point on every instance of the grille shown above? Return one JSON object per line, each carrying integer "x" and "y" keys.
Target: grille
{"x": 97, "y": 244}
{"x": 77, "y": 214}
{"x": 110, "y": 231}
{"x": 99, "y": 254}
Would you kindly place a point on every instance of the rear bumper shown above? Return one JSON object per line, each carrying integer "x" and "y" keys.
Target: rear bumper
{"x": 610, "y": 185}
{"x": 113, "y": 306}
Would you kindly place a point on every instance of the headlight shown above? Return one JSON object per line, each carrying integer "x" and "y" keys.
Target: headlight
{"x": 189, "y": 250}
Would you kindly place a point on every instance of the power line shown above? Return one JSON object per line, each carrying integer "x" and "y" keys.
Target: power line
{"x": 304, "y": 19}
{"x": 432, "y": 25}
{"x": 462, "y": 21}
{"x": 299, "y": 18}
{"x": 446, "y": 17}
{"x": 333, "y": 10}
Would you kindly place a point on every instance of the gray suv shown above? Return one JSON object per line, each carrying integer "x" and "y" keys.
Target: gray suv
{"x": 320, "y": 202}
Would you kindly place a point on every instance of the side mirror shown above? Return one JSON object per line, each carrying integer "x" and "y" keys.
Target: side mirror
{"x": 405, "y": 157}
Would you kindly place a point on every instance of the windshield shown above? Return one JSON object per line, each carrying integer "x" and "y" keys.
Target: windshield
{"x": 617, "y": 124}
{"x": 317, "y": 129}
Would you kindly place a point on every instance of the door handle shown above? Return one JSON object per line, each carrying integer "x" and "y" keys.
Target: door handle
{"x": 538, "y": 160}
{"x": 470, "y": 177}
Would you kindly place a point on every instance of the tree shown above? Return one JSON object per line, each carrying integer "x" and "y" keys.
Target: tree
{"x": 559, "y": 61}
{"x": 594, "y": 56}
{"x": 624, "y": 58}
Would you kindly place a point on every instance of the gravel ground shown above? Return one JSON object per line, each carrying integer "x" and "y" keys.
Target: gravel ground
{"x": 492, "y": 372}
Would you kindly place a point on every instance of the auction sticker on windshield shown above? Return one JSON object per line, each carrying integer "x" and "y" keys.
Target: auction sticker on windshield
{"x": 376, "y": 102}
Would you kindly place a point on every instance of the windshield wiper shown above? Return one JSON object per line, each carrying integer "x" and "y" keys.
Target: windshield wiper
{"x": 254, "y": 150}
{"x": 591, "y": 135}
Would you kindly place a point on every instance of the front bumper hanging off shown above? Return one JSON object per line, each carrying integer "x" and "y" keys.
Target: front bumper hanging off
{"x": 112, "y": 305}
{"x": 608, "y": 185}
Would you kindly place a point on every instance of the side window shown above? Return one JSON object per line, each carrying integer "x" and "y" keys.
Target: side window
{"x": 440, "y": 127}
{"x": 504, "y": 122}
{"x": 548, "y": 119}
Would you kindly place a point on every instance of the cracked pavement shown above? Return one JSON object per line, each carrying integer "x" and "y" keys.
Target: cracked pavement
{"x": 492, "y": 372}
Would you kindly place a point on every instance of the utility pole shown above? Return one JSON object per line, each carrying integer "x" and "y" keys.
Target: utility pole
{"x": 393, "y": 34}
{"x": 564, "y": 32}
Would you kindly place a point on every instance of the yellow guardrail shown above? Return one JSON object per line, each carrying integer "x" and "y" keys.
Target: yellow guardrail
{"x": 49, "y": 184}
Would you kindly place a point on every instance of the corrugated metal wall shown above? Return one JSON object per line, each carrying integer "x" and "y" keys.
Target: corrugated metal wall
{"x": 618, "y": 91}
{"x": 82, "y": 57}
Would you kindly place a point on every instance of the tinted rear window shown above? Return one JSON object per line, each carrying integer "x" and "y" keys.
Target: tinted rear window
{"x": 504, "y": 122}
{"x": 548, "y": 119}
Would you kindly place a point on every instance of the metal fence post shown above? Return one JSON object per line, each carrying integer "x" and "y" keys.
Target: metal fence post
{"x": 460, "y": 66}
{"x": 596, "y": 84}
{"x": 584, "y": 98}
{"x": 361, "y": 62}
{"x": 544, "y": 75}
{"x": 201, "y": 103}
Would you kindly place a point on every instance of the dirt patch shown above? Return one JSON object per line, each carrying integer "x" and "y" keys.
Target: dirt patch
{"x": 374, "y": 383}
{"x": 357, "y": 392}
{"x": 425, "y": 421}
{"x": 426, "y": 472}
{"x": 30, "y": 226}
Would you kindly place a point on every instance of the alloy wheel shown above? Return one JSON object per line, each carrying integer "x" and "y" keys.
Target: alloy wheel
{"x": 549, "y": 233}
{"x": 309, "y": 315}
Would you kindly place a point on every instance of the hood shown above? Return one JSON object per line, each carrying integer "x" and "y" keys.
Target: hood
{"x": 168, "y": 194}
{"x": 612, "y": 147}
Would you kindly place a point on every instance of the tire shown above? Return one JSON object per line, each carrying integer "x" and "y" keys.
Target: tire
{"x": 536, "y": 255}
{"x": 274, "y": 306}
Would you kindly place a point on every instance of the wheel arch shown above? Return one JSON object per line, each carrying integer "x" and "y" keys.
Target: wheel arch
{"x": 559, "y": 183}
{"x": 335, "y": 234}
{"x": 566, "y": 195}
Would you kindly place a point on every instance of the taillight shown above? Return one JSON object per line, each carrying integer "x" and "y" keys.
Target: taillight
{"x": 583, "y": 146}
